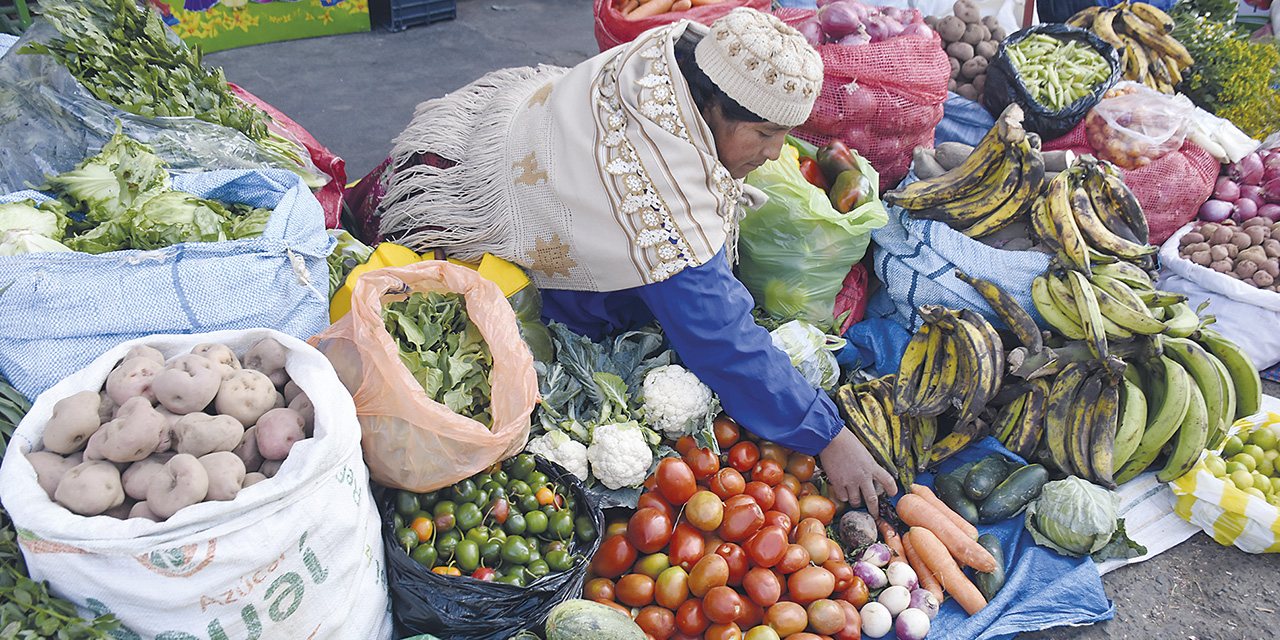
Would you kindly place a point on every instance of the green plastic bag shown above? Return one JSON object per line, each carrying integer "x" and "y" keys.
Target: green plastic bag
{"x": 795, "y": 251}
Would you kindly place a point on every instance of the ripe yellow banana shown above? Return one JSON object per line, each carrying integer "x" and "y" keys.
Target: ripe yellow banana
{"x": 975, "y": 205}
{"x": 1027, "y": 434}
{"x": 1154, "y": 38}
{"x": 1098, "y": 235}
{"x": 1152, "y": 15}
{"x": 1007, "y": 419}
{"x": 924, "y": 432}
{"x": 1122, "y": 200}
{"x": 911, "y": 368}
{"x": 1081, "y": 425}
{"x": 1032, "y": 174}
{"x": 1104, "y": 27}
{"x": 1085, "y": 17}
{"x": 1138, "y": 321}
{"x": 1071, "y": 246}
{"x": 1126, "y": 272}
{"x": 873, "y": 438}
{"x": 942, "y": 374}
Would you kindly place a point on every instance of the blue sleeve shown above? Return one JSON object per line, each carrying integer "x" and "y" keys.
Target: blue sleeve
{"x": 706, "y": 314}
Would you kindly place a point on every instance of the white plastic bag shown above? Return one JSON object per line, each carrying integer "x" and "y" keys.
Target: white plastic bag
{"x": 1245, "y": 314}
{"x": 811, "y": 352}
{"x": 296, "y": 556}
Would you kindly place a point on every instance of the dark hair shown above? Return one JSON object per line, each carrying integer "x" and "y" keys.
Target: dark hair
{"x": 706, "y": 93}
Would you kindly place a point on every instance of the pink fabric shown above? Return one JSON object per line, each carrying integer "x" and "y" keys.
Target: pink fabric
{"x": 852, "y": 297}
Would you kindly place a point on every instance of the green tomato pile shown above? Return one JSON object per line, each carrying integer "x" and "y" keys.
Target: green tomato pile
{"x": 509, "y": 524}
{"x": 1249, "y": 463}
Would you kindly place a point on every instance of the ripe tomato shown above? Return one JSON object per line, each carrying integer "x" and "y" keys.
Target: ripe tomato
{"x": 789, "y": 481}
{"x": 685, "y": 444}
{"x": 808, "y": 489}
{"x": 794, "y": 559}
{"x": 672, "y": 588}
{"x": 761, "y": 632}
{"x": 650, "y": 483}
{"x": 727, "y": 482}
{"x": 675, "y": 481}
{"x": 816, "y": 506}
{"x": 649, "y": 530}
{"x": 852, "y": 629}
{"x": 737, "y": 560}
{"x": 816, "y": 544}
{"x": 805, "y": 635}
{"x": 774, "y": 451}
{"x": 767, "y": 471}
{"x": 680, "y": 635}
{"x": 727, "y": 432}
{"x": 807, "y": 526}
{"x": 784, "y": 500}
{"x": 743, "y": 456}
{"x": 786, "y": 618}
{"x": 741, "y": 521}
{"x": 825, "y": 616}
{"x": 614, "y": 557}
{"x": 614, "y": 605}
{"x": 763, "y": 586}
{"x": 741, "y": 498}
{"x": 703, "y": 463}
{"x": 841, "y": 570}
{"x": 685, "y": 548}
{"x": 777, "y": 519}
{"x": 690, "y": 619}
{"x": 704, "y": 510}
{"x": 651, "y": 565}
{"x": 801, "y": 466}
{"x": 804, "y": 586}
{"x": 767, "y": 546}
{"x": 722, "y": 605}
{"x": 723, "y": 632}
{"x": 635, "y": 590}
{"x": 617, "y": 527}
{"x": 654, "y": 500}
{"x": 752, "y": 613}
{"x": 761, "y": 493}
{"x": 711, "y": 571}
{"x": 856, "y": 594}
{"x": 598, "y": 589}
{"x": 658, "y": 622}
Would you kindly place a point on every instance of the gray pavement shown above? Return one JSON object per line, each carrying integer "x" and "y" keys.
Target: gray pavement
{"x": 355, "y": 92}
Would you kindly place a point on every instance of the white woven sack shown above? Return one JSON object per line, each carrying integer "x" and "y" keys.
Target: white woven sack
{"x": 1245, "y": 314}
{"x": 296, "y": 556}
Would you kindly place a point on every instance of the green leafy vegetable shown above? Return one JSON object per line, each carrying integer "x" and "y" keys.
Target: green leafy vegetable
{"x": 443, "y": 350}
{"x": 1077, "y": 518}
{"x": 49, "y": 222}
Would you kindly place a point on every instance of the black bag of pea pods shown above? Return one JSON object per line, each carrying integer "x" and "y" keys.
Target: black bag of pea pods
{"x": 1004, "y": 86}
{"x": 463, "y": 608}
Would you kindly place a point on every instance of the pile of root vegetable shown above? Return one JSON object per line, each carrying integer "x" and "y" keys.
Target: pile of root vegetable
{"x": 971, "y": 42}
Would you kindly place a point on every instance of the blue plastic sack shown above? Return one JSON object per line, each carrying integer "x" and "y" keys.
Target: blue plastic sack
{"x": 61, "y": 310}
{"x": 875, "y": 344}
{"x": 1042, "y": 589}
{"x": 963, "y": 120}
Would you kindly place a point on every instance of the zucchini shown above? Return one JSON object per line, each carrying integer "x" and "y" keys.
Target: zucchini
{"x": 950, "y": 492}
{"x": 990, "y": 583}
{"x": 985, "y": 476}
{"x": 1009, "y": 499}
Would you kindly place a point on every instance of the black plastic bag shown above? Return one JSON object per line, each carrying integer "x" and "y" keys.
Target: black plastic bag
{"x": 1004, "y": 86}
{"x": 463, "y": 608}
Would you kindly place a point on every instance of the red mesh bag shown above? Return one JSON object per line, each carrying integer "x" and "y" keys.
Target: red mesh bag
{"x": 881, "y": 99}
{"x": 613, "y": 29}
{"x": 1170, "y": 189}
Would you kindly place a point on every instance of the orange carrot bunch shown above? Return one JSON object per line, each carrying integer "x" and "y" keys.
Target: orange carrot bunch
{"x": 640, "y": 9}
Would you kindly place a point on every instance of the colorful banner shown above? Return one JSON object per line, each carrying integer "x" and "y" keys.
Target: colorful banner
{"x": 224, "y": 24}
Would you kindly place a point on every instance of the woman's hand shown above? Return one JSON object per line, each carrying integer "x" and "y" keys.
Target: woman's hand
{"x": 853, "y": 473}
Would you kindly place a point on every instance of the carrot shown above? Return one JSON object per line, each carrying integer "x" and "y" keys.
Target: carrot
{"x": 650, "y": 9}
{"x": 681, "y": 5}
{"x": 928, "y": 494}
{"x": 917, "y": 512}
{"x": 891, "y": 539}
{"x": 928, "y": 581}
{"x": 699, "y": 3}
{"x": 627, "y": 7}
{"x": 939, "y": 560}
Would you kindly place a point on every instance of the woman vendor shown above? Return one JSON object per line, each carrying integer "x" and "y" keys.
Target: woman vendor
{"x": 617, "y": 185}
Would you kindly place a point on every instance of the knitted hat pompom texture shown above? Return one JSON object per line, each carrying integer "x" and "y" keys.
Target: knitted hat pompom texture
{"x": 766, "y": 66}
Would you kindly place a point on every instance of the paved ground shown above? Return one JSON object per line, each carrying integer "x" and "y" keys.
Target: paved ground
{"x": 356, "y": 92}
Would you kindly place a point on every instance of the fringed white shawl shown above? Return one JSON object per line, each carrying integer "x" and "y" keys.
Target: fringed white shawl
{"x": 597, "y": 178}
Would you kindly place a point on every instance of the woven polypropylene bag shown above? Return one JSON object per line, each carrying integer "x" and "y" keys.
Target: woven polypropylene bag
{"x": 1170, "y": 189}
{"x": 882, "y": 99}
{"x": 1227, "y": 514}
{"x": 613, "y": 28}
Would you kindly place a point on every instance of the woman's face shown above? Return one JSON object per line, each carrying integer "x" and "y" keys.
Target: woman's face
{"x": 743, "y": 146}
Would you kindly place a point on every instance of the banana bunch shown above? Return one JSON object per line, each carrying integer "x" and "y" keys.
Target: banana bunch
{"x": 899, "y": 443}
{"x": 955, "y": 361}
{"x": 1087, "y": 214}
{"x": 1140, "y": 33}
{"x": 991, "y": 188}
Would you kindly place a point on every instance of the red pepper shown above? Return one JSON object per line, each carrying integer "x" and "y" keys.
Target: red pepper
{"x": 850, "y": 191}
{"x": 813, "y": 173}
{"x": 835, "y": 158}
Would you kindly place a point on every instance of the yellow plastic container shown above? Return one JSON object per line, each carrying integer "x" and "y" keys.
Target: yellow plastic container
{"x": 386, "y": 254}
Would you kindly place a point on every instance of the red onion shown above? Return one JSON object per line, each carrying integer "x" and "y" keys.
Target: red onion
{"x": 1251, "y": 192}
{"x": 854, "y": 39}
{"x": 839, "y": 19}
{"x": 916, "y": 29}
{"x": 1271, "y": 191}
{"x": 1244, "y": 209}
{"x": 1248, "y": 170}
{"x": 1215, "y": 210}
{"x": 1270, "y": 158}
{"x": 882, "y": 28}
{"x": 811, "y": 29}
{"x": 913, "y": 15}
{"x": 1270, "y": 172}
{"x": 1226, "y": 189}
{"x": 823, "y": 3}
{"x": 895, "y": 13}
{"x": 1270, "y": 211}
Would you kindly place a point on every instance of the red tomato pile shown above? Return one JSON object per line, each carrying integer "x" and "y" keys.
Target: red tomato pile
{"x": 730, "y": 548}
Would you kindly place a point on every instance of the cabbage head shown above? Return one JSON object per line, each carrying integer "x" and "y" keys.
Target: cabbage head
{"x": 1078, "y": 518}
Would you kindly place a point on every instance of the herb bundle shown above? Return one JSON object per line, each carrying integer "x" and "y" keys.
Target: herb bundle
{"x": 1234, "y": 77}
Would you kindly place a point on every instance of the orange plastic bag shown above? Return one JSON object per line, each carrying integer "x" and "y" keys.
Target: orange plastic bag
{"x": 411, "y": 441}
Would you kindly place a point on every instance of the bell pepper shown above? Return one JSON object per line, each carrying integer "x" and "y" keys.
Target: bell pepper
{"x": 834, "y": 159}
{"x": 813, "y": 173}
{"x": 850, "y": 191}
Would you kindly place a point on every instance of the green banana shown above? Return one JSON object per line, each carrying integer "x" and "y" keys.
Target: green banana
{"x": 1090, "y": 314}
{"x": 1102, "y": 437}
{"x": 1216, "y": 436}
{"x": 1058, "y": 409}
{"x": 1189, "y": 443}
{"x": 1244, "y": 375}
{"x": 1183, "y": 320}
{"x": 1159, "y": 299}
{"x": 1130, "y": 423}
{"x": 1199, "y": 364}
{"x": 1123, "y": 315}
{"x": 1009, "y": 311}
{"x": 1168, "y": 399}
{"x": 1055, "y": 315}
{"x": 1126, "y": 272}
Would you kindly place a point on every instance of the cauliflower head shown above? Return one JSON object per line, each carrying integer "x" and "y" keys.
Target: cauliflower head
{"x": 673, "y": 397}
{"x": 559, "y": 448}
{"x": 619, "y": 455}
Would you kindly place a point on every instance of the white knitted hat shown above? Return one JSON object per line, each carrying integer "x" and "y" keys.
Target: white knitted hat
{"x": 766, "y": 66}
